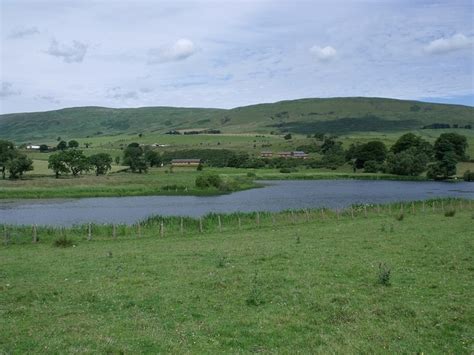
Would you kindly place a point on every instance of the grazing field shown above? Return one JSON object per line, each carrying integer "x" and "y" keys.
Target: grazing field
{"x": 376, "y": 284}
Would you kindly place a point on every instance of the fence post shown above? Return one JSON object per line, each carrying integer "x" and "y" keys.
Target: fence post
{"x": 114, "y": 231}
{"x": 5, "y": 234}
{"x": 352, "y": 212}
{"x": 460, "y": 205}
{"x": 89, "y": 232}
{"x": 413, "y": 207}
{"x": 181, "y": 226}
{"x": 219, "y": 222}
{"x": 293, "y": 217}
{"x": 423, "y": 206}
{"x": 200, "y": 224}
{"x": 442, "y": 205}
{"x": 322, "y": 213}
{"x": 433, "y": 205}
{"x": 139, "y": 230}
{"x": 273, "y": 219}
{"x": 258, "y": 219}
{"x": 307, "y": 215}
{"x": 390, "y": 209}
{"x": 378, "y": 209}
{"x": 365, "y": 210}
{"x": 162, "y": 229}
{"x": 35, "y": 234}
{"x": 337, "y": 213}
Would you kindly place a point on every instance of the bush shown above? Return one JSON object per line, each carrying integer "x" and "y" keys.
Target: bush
{"x": 63, "y": 242}
{"x": 468, "y": 176}
{"x": 450, "y": 213}
{"x": 251, "y": 174}
{"x": 371, "y": 166}
{"x": 400, "y": 217}
{"x": 208, "y": 180}
{"x": 288, "y": 170}
{"x": 383, "y": 276}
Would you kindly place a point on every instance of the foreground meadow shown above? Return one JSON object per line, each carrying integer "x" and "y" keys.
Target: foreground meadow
{"x": 312, "y": 282}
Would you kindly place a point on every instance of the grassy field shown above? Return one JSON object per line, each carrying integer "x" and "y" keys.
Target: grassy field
{"x": 311, "y": 283}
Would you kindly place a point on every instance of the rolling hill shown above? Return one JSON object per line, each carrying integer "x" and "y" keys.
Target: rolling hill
{"x": 332, "y": 115}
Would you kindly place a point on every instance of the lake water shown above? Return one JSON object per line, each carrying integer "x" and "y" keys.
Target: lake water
{"x": 275, "y": 196}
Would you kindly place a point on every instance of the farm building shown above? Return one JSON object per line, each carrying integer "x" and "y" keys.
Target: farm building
{"x": 33, "y": 147}
{"x": 295, "y": 155}
{"x": 185, "y": 162}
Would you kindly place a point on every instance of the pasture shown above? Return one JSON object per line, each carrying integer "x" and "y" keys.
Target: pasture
{"x": 379, "y": 283}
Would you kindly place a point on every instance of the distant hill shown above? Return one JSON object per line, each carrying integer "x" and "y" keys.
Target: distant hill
{"x": 333, "y": 115}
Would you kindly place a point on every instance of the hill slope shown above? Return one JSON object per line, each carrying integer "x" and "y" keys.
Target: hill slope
{"x": 334, "y": 115}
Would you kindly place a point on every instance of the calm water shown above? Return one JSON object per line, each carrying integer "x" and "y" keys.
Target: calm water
{"x": 275, "y": 196}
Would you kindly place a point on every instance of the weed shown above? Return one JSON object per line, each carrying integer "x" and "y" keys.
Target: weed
{"x": 223, "y": 261}
{"x": 450, "y": 212}
{"x": 63, "y": 242}
{"x": 298, "y": 239}
{"x": 255, "y": 295}
{"x": 400, "y": 216}
{"x": 383, "y": 276}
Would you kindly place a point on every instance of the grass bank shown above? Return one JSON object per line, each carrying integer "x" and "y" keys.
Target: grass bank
{"x": 372, "y": 279}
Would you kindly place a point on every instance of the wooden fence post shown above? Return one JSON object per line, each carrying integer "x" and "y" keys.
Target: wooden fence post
{"x": 35, "y": 234}
{"x": 219, "y": 222}
{"x": 365, "y": 210}
{"x": 307, "y": 215}
{"x": 273, "y": 219}
{"x": 293, "y": 217}
{"x": 322, "y": 213}
{"x": 460, "y": 205}
{"x": 89, "y": 232}
{"x": 258, "y": 219}
{"x": 413, "y": 207}
{"x": 337, "y": 213}
{"x": 181, "y": 226}
{"x": 200, "y": 224}
{"x": 390, "y": 209}
{"x": 239, "y": 222}
{"x": 423, "y": 206}
{"x": 162, "y": 229}
{"x": 352, "y": 212}
{"x": 139, "y": 230}
{"x": 442, "y": 205}
{"x": 378, "y": 209}
{"x": 5, "y": 234}
{"x": 433, "y": 205}
{"x": 114, "y": 231}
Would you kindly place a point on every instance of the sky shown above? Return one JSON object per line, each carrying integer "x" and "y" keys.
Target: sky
{"x": 202, "y": 53}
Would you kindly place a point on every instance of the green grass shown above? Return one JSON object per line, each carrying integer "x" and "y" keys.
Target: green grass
{"x": 306, "y": 285}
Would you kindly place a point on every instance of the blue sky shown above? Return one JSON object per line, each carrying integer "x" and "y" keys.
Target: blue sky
{"x": 225, "y": 54}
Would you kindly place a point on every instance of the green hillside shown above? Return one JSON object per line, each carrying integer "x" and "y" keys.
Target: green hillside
{"x": 334, "y": 115}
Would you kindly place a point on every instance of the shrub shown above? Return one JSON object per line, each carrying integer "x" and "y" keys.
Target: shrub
{"x": 208, "y": 180}
{"x": 288, "y": 170}
{"x": 383, "y": 276}
{"x": 400, "y": 217}
{"x": 468, "y": 176}
{"x": 450, "y": 213}
{"x": 63, "y": 242}
{"x": 255, "y": 295}
{"x": 251, "y": 174}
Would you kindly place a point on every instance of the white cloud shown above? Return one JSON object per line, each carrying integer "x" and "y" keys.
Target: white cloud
{"x": 118, "y": 93}
{"x": 180, "y": 50}
{"x": 7, "y": 90}
{"x": 323, "y": 54}
{"x": 449, "y": 44}
{"x": 23, "y": 32}
{"x": 70, "y": 54}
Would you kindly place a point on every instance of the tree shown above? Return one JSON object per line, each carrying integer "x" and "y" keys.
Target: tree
{"x": 133, "y": 157}
{"x": 7, "y": 150}
{"x": 444, "y": 168}
{"x": 58, "y": 165}
{"x": 408, "y": 162}
{"x": 43, "y": 148}
{"x": 410, "y": 140}
{"x": 152, "y": 158}
{"x": 62, "y": 145}
{"x": 73, "y": 144}
{"x": 451, "y": 142}
{"x": 287, "y": 136}
{"x": 372, "y": 166}
{"x": 117, "y": 160}
{"x": 73, "y": 161}
{"x": 101, "y": 162}
{"x": 18, "y": 165}
{"x": 371, "y": 151}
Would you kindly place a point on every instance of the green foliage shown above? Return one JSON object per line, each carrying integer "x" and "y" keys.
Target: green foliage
{"x": 287, "y": 136}
{"x": 69, "y": 161}
{"x": 7, "y": 152}
{"x": 134, "y": 157}
{"x": 468, "y": 175}
{"x": 101, "y": 162}
{"x": 63, "y": 242}
{"x": 383, "y": 275}
{"x": 443, "y": 169}
{"x": 407, "y": 162}
{"x": 372, "y": 166}
{"x": 208, "y": 180}
{"x": 452, "y": 143}
{"x": 371, "y": 151}
{"x": 414, "y": 143}
{"x": 18, "y": 165}
{"x": 73, "y": 144}
{"x": 450, "y": 213}
{"x": 62, "y": 145}
{"x": 152, "y": 158}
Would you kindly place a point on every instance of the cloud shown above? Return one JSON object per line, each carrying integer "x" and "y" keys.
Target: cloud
{"x": 449, "y": 44}
{"x": 49, "y": 98}
{"x": 70, "y": 54}
{"x": 118, "y": 93}
{"x": 23, "y": 32}
{"x": 7, "y": 90}
{"x": 180, "y": 50}
{"x": 323, "y": 54}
